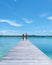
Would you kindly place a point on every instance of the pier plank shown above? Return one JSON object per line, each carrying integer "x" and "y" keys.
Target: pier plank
{"x": 25, "y": 53}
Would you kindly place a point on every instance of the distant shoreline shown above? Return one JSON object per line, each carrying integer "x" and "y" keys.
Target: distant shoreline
{"x": 28, "y": 35}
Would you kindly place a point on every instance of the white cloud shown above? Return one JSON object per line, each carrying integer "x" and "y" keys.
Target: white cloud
{"x": 12, "y": 23}
{"x": 27, "y": 20}
{"x": 46, "y": 15}
{"x": 50, "y": 17}
{"x": 40, "y": 31}
{"x": 3, "y": 32}
{"x": 8, "y": 32}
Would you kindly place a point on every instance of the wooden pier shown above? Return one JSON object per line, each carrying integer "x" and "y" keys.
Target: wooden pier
{"x": 25, "y": 53}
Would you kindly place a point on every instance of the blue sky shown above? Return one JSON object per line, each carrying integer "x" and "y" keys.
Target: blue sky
{"x": 21, "y": 16}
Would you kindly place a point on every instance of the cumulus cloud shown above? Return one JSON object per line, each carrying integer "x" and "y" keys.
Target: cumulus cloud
{"x": 10, "y": 22}
{"x": 27, "y": 20}
{"x": 50, "y": 17}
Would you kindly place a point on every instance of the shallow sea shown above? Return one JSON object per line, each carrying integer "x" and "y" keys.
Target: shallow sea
{"x": 43, "y": 43}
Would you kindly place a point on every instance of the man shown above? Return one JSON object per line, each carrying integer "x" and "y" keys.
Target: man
{"x": 23, "y": 36}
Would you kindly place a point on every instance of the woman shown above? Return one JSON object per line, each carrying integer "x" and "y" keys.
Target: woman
{"x": 26, "y": 36}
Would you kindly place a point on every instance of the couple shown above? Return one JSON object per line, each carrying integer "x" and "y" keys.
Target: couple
{"x": 24, "y": 36}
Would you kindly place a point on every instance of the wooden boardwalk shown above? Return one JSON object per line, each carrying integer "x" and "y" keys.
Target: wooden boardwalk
{"x": 25, "y": 53}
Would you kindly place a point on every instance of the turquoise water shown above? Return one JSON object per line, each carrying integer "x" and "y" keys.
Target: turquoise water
{"x": 43, "y": 43}
{"x": 6, "y": 43}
